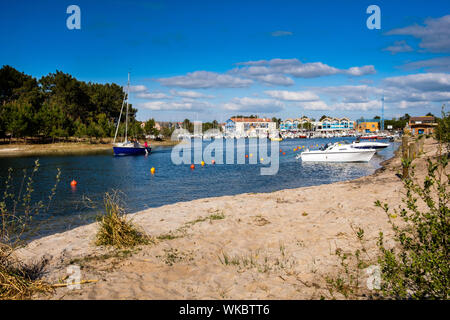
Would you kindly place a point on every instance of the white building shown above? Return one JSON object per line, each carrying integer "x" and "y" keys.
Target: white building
{"x": 249, "y": 126}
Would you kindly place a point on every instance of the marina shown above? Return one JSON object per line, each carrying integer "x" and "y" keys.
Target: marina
{"x": 97, "y": 174}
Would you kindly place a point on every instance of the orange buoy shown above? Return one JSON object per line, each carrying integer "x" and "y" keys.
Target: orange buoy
{"x": 213, "y": 161}
{"x": 192, "y": 166}
{"x": 73, "y": 183}
{"x": 152, "y": 170}
{"x": 284, "y": 153}
{"x": 246, "y": 155}
{"x": 281, "y": 150}
{"x": 202, "y": 163}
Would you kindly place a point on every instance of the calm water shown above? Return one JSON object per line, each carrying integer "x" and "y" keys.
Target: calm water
{"x": 97, "y": 174}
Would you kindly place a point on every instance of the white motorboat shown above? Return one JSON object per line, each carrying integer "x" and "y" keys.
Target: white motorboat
{"x": 337, "y": 152}
{"x": 370, "y": 145}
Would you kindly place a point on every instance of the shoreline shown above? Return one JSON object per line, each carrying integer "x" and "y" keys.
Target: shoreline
{"x": 308, "y": 225}
{"x": 65, "y": 148}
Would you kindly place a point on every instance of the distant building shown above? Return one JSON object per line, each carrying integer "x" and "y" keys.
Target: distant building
{"x": 334, "y": 125}
{"x": 246, "y": 126}
{"x": 422, "y": 125}
{"x": 293, "y": 124}
{"x": 368, "y": 125}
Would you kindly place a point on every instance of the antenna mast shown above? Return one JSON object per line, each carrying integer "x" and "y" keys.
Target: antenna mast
{"x": 382, "y": 113}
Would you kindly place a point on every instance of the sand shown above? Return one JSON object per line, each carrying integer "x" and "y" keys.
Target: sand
{"x": 279, "y": 245}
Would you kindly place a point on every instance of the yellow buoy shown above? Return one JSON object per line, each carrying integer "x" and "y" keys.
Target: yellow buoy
{"x": 251, "y": 154}
{"x": 202, "y": 163}
{"x": 262, "y": 159}
{"x": 152, "y": 170}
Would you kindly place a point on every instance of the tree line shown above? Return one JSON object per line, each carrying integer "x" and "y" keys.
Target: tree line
{"x": 59, "y": 106}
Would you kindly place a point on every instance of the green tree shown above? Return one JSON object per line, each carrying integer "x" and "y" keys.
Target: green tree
{"x": 18, "y": 119}
{"x": 150, "y": 128}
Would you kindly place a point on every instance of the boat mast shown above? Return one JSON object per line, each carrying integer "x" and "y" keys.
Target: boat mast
{"x": 120, "y": 116}
{"x": 126, "y": 122}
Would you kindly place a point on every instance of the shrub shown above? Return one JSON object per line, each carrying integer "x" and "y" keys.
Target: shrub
{"x": 115, "y": 229}
{"x": 19, "y": 280}
{"x": 418, "y": 268}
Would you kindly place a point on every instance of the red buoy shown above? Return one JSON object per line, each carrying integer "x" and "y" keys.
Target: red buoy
{"x": 246, "y": 155}
{"x": 73, "y": 183}
{"x": 192, "y": 166}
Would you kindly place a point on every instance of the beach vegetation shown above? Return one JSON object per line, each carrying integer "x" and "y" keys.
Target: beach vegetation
{"x": 182, "y": 231}
{"x": 417, "y": 267}
{"x": 442, "y": 132}
{"x": 18, "y": 212}
{"x": 115, "y": 229}
{"x": 414, "y": 263}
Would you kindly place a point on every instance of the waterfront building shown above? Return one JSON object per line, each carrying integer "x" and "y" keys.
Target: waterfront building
{"x": 329, "y": 124}
{"x": 368, "y": 125}
{"x": 249, "y": 126}
{"x": 422, "y": 125}
{"x": 293, "y": 124}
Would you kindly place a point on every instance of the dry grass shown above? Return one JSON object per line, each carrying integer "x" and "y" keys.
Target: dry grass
{"x": 20, "y": 281}
{"x": 114, "y": 227}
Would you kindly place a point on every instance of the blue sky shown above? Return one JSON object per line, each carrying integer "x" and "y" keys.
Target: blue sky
{"x": 211, "y": 59}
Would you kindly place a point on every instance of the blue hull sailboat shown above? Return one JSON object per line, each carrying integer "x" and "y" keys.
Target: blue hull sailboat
{"x": 126, "y": 147}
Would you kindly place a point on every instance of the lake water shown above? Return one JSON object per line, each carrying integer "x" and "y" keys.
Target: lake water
{"x": 97, "y": 174}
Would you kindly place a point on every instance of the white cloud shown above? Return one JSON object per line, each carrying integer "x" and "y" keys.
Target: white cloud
{"x": 281, "y": 33}
{"x": 138, "y": 88}
{"x": 254, "y": 105}
{"x": 315, "y": 105}
{"x": 439, "y": 64}
{"x": 434, "y": 36}
{"x": 205, "y": 79}
{"x": 421, "y": 81}
{"x": 176, "y": 105}
{"x": 190, "y": 94}
{"x": 295, "y": 68}
{"x": 293, "y": 95}
{"x": 148, "y": 95}
{"x": 398, "y": 46}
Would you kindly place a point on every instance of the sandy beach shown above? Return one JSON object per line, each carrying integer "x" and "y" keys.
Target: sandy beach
{"x": 277, "y": 245}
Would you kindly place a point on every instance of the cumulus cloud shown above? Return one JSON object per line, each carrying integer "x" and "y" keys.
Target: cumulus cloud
{"x": 293, "y": 95}
{"x": 205, "y": 79}
{"x": 315, "y": 106}
{"x": 190, "y": 94}
{"x": 176, "y": 105}
{"x": 281, "y": 33}
{"x": 138, "y": 88}
{"x": 148, "y": 95}
{"x": 421, "y": 81}
{"x": 440, "y": 64}
{"x": 295, "y": 68}
{"x": 434, "y": 35}
{"x": 398, "y": 46}
{"x": 254, "y": 105}
{"x": 342, "y": 106}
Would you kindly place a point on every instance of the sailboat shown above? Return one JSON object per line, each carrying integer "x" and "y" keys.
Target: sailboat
{"x": 127, "y": 147}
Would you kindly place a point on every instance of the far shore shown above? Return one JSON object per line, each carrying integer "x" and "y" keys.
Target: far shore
{"x": 278, "y": 245}
{"x": 66, "y": 148}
